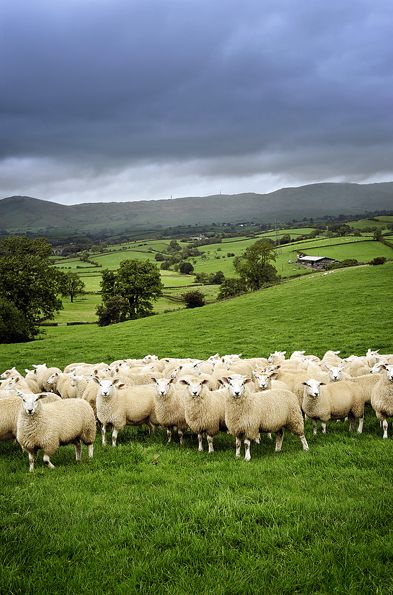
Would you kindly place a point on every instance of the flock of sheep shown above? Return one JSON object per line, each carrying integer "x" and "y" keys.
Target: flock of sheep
{"x": 48, "y": 407}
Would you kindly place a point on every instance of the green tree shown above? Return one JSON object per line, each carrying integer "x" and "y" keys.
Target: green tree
{"x": 186, "y": 268}
{"x": 29, "y": 283}
{"x": 71, "y": 285}
{"x": 230, "y": 288}
{"x": 137, "y": 283}
{"x": 378, "y": 236}
{"x": 194, "y": 299}
{"x": 255, "y": 265}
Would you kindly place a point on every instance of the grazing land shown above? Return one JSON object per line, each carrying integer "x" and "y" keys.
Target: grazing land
{"x": 147, "y": 517}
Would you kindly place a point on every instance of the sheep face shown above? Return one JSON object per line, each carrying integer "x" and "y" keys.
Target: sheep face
{"x": 263, "y": 380}
{"x": 106, "y": 386}
{"x": 8, "y": 373}
{"x": 312, "y": 387}
{"x": 236, "y": 384}
{"x": 276, "y": 355}
{"x": 335, "y": 373}
{"x": 389, "y": 371}
{"x": 30, "y": 402}
{"x": 163, "y": 385}
{"x": 194, "y": 386}
{"x": 53, "y": 378}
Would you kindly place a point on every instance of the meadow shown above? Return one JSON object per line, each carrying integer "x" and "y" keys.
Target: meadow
{"x": 215, "y": 257}
{"x": 149, "y": 517}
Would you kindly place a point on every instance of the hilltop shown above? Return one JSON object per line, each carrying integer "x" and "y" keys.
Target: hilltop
{"x": 22, "y": 214}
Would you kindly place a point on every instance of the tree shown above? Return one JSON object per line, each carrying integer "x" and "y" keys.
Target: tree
{"x": 231, "y": 288}
{"x": 29, "y": 283}
{"x": 255, "y": 265}
{"x": 194, "y": 299}
{"x": 13, "y": 325}
{"x": 186, "y": 268}
{"x": 71, "y": 285}
{"x": 137, "y": 283}
{"x": 378, "y": 236}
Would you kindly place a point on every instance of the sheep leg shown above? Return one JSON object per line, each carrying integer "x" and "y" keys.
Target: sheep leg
{"x": 247, "y": 454}
{"x": 210, "y": 443}
{"x": 303, "y": 441}
{"x": 31, "y": 461}
{"x": 360, "y": 426}
{"x": 269, "y": 435}
{"x": 258, "y": 438}
{"x": 279, "y": 440}
{"x": 200, "y": 443}
{"x": 385, "y": 428}
{"x": 78, "y": 450}
{"x": 238, "y": 446}
{"x": 181, "y": 439}
{"x": 114, "y": 436}
{"x": 314, "y": 427}
{"x": 47, "y": 461}
{"x": 169, "y": 435}
{"x": 103, "y": 434}
{"x": 90, "y": 450}
{"x": 351, "y": 423}
{"x": 323, "y": 424}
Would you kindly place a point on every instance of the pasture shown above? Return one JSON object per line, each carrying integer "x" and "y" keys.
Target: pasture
{"x": 149, "y": 517}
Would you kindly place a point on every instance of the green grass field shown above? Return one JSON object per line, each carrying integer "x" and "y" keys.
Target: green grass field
{"x": 150, "y": 518}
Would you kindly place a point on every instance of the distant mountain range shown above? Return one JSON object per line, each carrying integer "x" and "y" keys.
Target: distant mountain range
{"x": 21, "y": 214}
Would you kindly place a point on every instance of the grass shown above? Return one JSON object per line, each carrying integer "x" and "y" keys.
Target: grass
{"x": 151, "y": 518}
{"x": 349, "y": 309}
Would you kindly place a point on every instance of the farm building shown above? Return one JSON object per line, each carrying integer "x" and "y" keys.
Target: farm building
{"x": 315, "y": 262}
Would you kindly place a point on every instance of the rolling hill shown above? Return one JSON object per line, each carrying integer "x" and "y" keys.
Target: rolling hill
{"x": 21, "y": 214}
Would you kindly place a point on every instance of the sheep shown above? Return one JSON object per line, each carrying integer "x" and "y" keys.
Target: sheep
{"x": 366, "y": 383}
{"x": 39, "y": 376}
{"x": 9, "y": 409}
{"x": 248, "y": 413}
{"x": 267, "y": 381}
{"x": 336, "y": 373}
{"x": 61, "y": 384}
{"x": 132, "y": 406}
{"x": 204, "y": 410}
{"x": 170, "y": 407}
{"x": 382, "y": 397}
{"x": 331, "y": 358}
{"x": 52, "y": 425}
{"x": 336, "y": 400}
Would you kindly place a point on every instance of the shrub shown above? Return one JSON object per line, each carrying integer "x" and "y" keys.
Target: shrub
{"x": 186, "y": 268}
{"x": 194, "y": 299}
{"x": 231, "y": 288}
{"x": 378, "y": 260}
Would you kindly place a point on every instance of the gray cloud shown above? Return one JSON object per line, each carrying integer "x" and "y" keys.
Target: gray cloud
{"x": 109, "y": 99}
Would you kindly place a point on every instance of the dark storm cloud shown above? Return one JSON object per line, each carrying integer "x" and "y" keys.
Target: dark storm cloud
{"x": 275, "y": 87}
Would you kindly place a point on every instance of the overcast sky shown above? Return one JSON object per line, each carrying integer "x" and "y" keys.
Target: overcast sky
{"x": 138, "y": 99}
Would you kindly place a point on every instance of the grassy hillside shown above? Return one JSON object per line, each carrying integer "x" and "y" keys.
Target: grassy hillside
{"x": 20, "y": 214}
{"x": 151, "y": 518}
{"x": 349, "y": 309}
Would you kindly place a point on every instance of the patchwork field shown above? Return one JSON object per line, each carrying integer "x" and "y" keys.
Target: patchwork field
{"x": 215, "y": 257}
{"x": 146, "y": 517}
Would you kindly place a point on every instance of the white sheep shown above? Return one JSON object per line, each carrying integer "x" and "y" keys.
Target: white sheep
{"x": 119, "y": 405}
{"x": 247, "y": 413}
{"x": 336, "y": 400}
{"x": 204, "y": 410}
{"x": 170, "y": 406}
{"x": 9, "y": 409}
{"x": 49, "y": 426}
{"x": 382, "y": 397}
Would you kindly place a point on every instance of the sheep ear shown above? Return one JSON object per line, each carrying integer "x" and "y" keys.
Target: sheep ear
{"x": 20, "y": 394}
{"x": 95, "y": 379}
{"x": 17, "y": 379}
{"x": 172, "y": 379}
{"x": 116, "y": 381}
{"x": 27, "y": 371}
{"x": 247, "y": 380}
{"x": 183, "y": 381}
{"x": 40, "y": 396}
{"x": 305, "y": 383}
{"x": 224, "y": 380}
{"x": 204, "y": 381}
{"x": 322, "y": 384}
